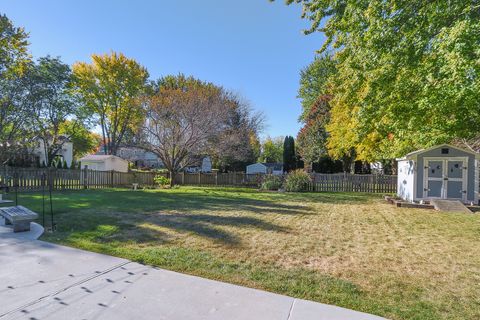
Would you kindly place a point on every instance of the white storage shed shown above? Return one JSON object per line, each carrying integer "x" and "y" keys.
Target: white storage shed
{"x": 440, "y": 172}
{"x": 265, "y": 168}
{"x": 104, "y": 163}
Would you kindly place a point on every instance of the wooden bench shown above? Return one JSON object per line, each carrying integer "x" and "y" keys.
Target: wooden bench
{"x": 19, "y": 216}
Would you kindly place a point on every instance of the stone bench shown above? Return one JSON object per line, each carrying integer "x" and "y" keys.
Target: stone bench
{"x": 19, "y": 216}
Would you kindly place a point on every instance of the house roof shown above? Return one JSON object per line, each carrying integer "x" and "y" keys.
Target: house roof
{"x": 445, "y": 145}
{"x": 97, "y": 157}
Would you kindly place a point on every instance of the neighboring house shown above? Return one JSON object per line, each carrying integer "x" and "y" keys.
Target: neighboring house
{"x": 265, "y": 168}
{"x": 104, "y": 163}
{"x": 139, "y": 157}
{"x": 65, "y": 152}
{"x": 203, "y": 164}
{"x": 440, "y": 172}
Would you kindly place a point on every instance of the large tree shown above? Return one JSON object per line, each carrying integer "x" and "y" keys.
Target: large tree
{"x": 111, "y": 87}
{"x": 272, "y": 150}
{"x": 53, "y": 105}
{"x": 14, "y": 113}
{"x": 236, "y": 145}
{"x": 184, "y": 118}
{"x": 232, "y": 144}
{"x": 407, "y": 73}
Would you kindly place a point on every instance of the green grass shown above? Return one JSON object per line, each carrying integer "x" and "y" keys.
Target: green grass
{"x": 351, "y": 250}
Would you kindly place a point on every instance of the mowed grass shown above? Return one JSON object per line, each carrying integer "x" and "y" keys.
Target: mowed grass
{"x": 351, "y": 250}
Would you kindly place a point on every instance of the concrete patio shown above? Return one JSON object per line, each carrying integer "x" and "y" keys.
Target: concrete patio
{"x": 40, "y": 280}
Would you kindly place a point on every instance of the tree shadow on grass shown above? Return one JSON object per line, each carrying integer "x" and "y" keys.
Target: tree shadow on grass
{"x": 188, "y": 200}
{"x": 147, "y": 228}
{"x": 206, "y": 226}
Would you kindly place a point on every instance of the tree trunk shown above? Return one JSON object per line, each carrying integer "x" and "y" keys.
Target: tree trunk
{"x": 172, "y": 177}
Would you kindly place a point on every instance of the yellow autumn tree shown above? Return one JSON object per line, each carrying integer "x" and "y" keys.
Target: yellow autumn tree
{"x": 111, "y": 87}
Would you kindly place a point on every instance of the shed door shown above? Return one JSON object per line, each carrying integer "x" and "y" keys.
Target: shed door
{"x": 456, "y": 174}
{"x": 434, "y": 183}
{"x": 445, "y": 179}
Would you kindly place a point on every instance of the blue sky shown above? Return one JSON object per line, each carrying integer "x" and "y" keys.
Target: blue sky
{"x": 253, "y": 47}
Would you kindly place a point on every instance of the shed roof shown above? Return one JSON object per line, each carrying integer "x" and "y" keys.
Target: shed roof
{"x": 97, "y": 157}
{"x": 275, "y": 166}
{"x": 413, "y": 154}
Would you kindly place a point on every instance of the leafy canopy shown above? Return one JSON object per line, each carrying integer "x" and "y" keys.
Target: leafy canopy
{"x": 111, "y": 87}
{"x": 13, "y": 48}
{"x": 407, "y": 73}
{"x": 272, "y": 150}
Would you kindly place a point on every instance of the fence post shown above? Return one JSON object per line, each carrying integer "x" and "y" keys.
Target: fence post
{"x": 183, "y": 177}
{"x": 216, "y": 178}
{"x": 199, "y": 178}
{"x": 111, "y": 178}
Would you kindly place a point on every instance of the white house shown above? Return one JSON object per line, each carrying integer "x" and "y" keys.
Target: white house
{"x": 104, "y": 163}
{"x": 265, "y": 168}
{"x": 65, "y": 152}
{"x": 440, "y": 172}
{"x": 139, "y": 157}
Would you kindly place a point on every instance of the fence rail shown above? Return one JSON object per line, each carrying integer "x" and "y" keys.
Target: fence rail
{"x": 34, "y": 179}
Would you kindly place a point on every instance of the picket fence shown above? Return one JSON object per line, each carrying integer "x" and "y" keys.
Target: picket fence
{"x": 35, "y": 179}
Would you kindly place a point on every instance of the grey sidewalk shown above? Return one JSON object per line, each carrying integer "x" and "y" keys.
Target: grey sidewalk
{"x": 39, "y": 280}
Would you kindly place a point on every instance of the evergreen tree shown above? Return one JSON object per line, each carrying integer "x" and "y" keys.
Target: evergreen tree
{"x": 289, "y": 158}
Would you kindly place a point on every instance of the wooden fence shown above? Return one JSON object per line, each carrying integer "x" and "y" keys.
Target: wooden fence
{"x": 342, "y": 182}
{"x": 34, "y": 179}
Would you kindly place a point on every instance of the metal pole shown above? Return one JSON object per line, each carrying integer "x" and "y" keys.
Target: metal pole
{"x": 43, "y": 198}
{"x": 15, "y": 182}
{"x": 51, "y": 202}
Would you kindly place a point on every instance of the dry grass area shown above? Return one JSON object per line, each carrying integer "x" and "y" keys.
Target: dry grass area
{"x": 352, "y": 250}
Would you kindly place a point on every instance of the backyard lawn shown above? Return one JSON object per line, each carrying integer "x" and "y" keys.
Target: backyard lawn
{"x": 351, "y": 250}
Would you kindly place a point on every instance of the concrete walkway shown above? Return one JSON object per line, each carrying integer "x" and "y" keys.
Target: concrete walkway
{"x": 40, "y": 280}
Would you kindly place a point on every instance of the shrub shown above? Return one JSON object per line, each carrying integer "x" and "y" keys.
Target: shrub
{"x": 271, "y": 182}
{"x": 161, "y": 181}
{"x": 297, "y": 181}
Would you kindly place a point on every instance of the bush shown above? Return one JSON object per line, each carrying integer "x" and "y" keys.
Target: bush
{"x": 271, "y": 182}
{"x": 297, "y": 181}
{"x": 161, "y": 181}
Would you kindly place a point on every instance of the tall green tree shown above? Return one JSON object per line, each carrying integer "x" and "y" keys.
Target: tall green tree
{"x": 111, "y": 87}
{"x": 312, "y": 137}
{"x": 289, "y": 154}
{"x": 14, "y": 113}
{"x": 53, "y": 105}
{"x": 407, "y": 73}
{"x": 272, "y": 150}
{"x": 315, "y": 81}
